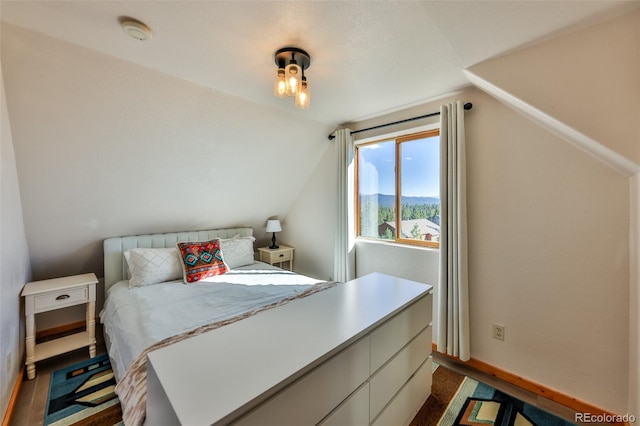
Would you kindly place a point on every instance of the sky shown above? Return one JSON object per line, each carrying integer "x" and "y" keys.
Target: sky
{"x": 420, "y": 168}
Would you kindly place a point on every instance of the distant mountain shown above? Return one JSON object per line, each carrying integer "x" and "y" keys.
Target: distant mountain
{"x": 384, "y": 200}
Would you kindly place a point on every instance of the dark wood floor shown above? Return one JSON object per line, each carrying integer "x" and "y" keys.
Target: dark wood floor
{"x": 32, "y": 398}
{"x": 515, "y": 391}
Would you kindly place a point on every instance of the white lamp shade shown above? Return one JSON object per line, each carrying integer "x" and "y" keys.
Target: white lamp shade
{"x": 273, "y": 225}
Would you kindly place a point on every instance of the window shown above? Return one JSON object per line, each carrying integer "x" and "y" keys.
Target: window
{"x": 398, "y": 189}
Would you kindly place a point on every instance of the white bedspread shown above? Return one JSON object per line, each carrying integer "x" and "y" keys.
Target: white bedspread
{"x": 134, "y": 319}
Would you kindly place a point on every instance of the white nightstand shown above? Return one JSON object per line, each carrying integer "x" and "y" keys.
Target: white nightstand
{"x": 279, "y": 255}
{"x": 58, "y": 293}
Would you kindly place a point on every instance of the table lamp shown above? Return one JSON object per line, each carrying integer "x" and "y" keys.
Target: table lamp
{"x": 273, "y": 225}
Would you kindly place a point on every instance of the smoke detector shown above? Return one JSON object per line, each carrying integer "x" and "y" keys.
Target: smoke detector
{"x": 136, "y": 29}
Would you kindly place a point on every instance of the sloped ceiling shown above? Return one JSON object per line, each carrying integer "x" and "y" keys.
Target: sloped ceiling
{"x": 367, "y": 57}
{"x": 592, "y": 104}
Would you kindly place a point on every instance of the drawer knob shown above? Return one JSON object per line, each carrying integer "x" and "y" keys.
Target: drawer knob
{"x": 282, "y": 255}
{"x": 63, "y": 296}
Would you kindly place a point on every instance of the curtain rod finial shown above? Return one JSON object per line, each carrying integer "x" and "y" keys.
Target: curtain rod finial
{"x": 331, "y": 137}
{"x": 468, "y": 106}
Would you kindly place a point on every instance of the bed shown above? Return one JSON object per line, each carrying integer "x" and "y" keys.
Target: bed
{"x": 148, "y": 345}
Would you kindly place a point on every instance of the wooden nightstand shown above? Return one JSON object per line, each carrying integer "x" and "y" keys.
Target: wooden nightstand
{"x": 279, "y": 255}
{"x": 58, "y": 293}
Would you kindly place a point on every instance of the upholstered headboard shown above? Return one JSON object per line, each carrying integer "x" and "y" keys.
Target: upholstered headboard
{"x": 115, "y": 266}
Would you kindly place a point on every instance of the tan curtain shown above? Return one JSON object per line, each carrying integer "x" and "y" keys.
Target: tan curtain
{"x": 453, "y": 287}
{"x": 344, "y": 260}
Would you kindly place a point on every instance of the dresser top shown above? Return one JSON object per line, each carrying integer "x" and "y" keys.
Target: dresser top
{"x": 36, "y": 287}
{"x": 245, "y": 362}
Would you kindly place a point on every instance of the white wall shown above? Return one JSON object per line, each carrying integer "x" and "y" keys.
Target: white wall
{"x": 634, "y": 297}
{"x": 549, "y": 259}
{"x": 108, "y": 148}
{"x": 548, "y": 253}
{"x": 412, "y": 263}
{"x": 15, "y": 268}
{"x": 598, "y": 99}
{"x": 310, "y": 224}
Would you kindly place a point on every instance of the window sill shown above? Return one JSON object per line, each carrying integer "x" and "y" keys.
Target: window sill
{"x": 360, "y": 240}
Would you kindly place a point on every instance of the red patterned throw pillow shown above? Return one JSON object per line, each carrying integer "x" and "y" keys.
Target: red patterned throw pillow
{"x": 201, "y": 260}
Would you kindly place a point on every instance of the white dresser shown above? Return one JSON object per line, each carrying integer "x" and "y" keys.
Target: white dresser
{"x": 358, "y": 353}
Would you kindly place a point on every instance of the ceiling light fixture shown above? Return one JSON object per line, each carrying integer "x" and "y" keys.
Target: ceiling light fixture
{"x": 290, "y": 79}
{"x": 136, "y": 29}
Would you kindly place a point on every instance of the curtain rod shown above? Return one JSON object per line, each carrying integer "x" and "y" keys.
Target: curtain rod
{"x": 467, "y": 107}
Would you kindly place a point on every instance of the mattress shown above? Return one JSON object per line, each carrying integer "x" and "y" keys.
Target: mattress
{"x": 134, "y": 319}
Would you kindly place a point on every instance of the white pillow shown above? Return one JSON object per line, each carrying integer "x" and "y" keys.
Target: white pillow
{"x": 153, "y": 265}
{"x": 238, "y": 251}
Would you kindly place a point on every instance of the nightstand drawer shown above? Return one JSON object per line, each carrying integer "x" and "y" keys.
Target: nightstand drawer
{"x": 60, "y": 298}
{"x": 280, "y": 256}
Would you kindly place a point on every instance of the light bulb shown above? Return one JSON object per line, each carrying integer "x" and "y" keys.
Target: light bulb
{"x": 293, "y": 75}
{"x": 303, "y": 98}
{"x": 280, "y": 84}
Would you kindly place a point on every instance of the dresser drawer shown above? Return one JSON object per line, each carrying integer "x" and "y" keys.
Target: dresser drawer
{"x": 354, "y": 411}
{"x": 60, "y": 298}
{"x": 309, "y": 400}
{"x": 391, "y": 336}
{"x": 406, "y": 403}
{"x": 390, "y": 378}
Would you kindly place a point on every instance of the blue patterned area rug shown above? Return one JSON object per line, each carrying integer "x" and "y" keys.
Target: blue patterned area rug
{"x": 83, "y": 394}
{"x": 460, "y": 400}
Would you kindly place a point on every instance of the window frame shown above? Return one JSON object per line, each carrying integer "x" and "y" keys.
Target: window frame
{"x": 397, "y": 139}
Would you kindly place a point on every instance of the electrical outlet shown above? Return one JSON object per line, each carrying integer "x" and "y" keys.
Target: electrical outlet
{"x": 498, "y": 331}
{"x": 9, "y": 364}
